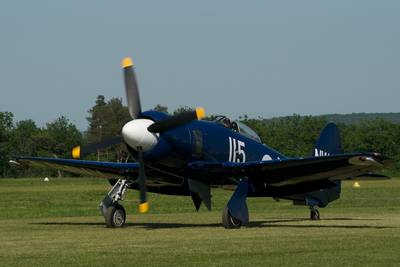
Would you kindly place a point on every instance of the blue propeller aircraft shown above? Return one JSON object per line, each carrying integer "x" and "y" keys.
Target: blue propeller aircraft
{"x": 184, "y": 155}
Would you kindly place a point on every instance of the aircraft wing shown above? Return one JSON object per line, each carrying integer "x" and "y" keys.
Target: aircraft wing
{"x": 85, "y": 167}
{"x": 287, "y": 172}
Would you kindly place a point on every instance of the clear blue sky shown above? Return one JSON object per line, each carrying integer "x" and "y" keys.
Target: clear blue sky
{"x": 261, "y": 58}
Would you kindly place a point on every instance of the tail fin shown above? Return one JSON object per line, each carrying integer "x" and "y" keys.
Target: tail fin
{"x": 329, "y": 141}
{"x": 328, "y": 144}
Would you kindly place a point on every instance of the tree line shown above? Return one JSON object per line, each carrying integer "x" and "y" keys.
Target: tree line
{"x": 292, "y": 135}
{"x": 296, "y": 136}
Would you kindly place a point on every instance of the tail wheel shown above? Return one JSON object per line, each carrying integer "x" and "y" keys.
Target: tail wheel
{"x": 314, "y": 215}
{"x": 228, "y": 221}
{"x": 115, "y": 216}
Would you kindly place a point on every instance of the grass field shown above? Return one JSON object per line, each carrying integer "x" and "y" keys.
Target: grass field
{"x": 57, "y": 223}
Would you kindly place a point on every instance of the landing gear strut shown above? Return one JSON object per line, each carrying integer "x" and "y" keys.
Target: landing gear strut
{"x": 314, "y": 214}
{"x": 114, "y": 213}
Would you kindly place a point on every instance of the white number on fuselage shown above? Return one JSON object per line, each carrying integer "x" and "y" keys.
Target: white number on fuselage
{"x": 236, "y": 150}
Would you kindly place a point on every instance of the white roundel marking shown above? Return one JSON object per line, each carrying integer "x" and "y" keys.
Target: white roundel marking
{"x": 266, "y": 157}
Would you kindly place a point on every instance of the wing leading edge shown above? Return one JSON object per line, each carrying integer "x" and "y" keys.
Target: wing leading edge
{"x": 85, "y": 167}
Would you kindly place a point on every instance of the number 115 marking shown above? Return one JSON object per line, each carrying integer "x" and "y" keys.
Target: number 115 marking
{"x": 236, "y": 149}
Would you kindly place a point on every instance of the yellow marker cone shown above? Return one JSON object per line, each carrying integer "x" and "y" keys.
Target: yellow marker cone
{"x": 356, "y": 185}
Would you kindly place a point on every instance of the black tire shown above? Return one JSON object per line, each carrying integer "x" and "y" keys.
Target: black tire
{"x": 115, "y": 216}
{"x": 228, "y": 221}
{"x": 314, "y": 215}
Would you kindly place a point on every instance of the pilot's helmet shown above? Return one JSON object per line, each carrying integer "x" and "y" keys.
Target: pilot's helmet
{"x": 227, "y": 123}
{"x": 234, "y": 126}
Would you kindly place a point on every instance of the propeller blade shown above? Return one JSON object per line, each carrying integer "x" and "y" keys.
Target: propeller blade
{"x": 131, "y": 87}
{"x": 143, "y": 204}
{"x": 177, "y": 120}
{"x": 81, "y": 151}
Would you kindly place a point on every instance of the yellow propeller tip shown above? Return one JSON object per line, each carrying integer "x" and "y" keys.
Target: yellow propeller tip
{"x": 200, "y": 113}
{"x": 76, "y": 152}
{"x": 144, "y": 207}
{"x": 127, "y": 62}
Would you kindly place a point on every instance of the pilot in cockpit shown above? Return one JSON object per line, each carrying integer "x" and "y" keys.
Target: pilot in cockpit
{"x": 226, "y": 122}
{"x": 238, "y": 127}
{"x": 232, "y": 125}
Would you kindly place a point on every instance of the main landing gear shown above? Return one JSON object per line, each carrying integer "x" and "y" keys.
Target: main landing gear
{"x": 114, "y": 214}
{"x": 314, "y": 214}
{"x": 236, "y": 213}
{"x": 228, "y": 221}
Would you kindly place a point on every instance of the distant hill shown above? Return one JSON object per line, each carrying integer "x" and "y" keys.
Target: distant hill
{"x": 356, "y": 117}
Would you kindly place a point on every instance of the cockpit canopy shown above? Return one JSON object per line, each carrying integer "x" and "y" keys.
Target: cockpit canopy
{"x": 238, "y": 126}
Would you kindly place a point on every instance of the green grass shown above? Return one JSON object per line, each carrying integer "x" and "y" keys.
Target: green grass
{"x": 58, "y": 224}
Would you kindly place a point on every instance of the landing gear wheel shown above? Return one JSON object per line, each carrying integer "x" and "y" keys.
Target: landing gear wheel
{"x": 115, "y": 216}
{"x": 228, "y": 221}
{"x": 314, "y": 215}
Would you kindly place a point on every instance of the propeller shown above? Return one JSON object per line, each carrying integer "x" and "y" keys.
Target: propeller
{"x": 177, "y": 120}
{"x": 82, "y": 151}
{"x": 131, "y": 88}
{"x": 143, "y": 204}
{"x": 134, "y": 107}
{"x": 140, "y": 134}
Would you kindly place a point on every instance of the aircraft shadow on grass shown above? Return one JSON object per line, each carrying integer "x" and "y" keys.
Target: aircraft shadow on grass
{"x": 255, "y": 224}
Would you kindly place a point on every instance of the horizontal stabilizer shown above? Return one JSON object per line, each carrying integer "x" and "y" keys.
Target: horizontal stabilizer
{"x": 370, "y": 177}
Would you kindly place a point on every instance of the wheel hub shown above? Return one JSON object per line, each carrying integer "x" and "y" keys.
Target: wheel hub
{"x": 118, "y": 218}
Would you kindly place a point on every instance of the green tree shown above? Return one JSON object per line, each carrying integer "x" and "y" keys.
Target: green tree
{"x": 182, "y": 109}
{"x": 6, "y": 126}
{"x": 106, "y": 120}
{"x": 24, "y": 142}
{"x": 161, "y": 108}
{"x": 292, "y": 135}
{"x": 62, "y": 136}
{"x": 23, "y": 138}
{"x": 96, "y": 120}
{"x": 376, "y": 135}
